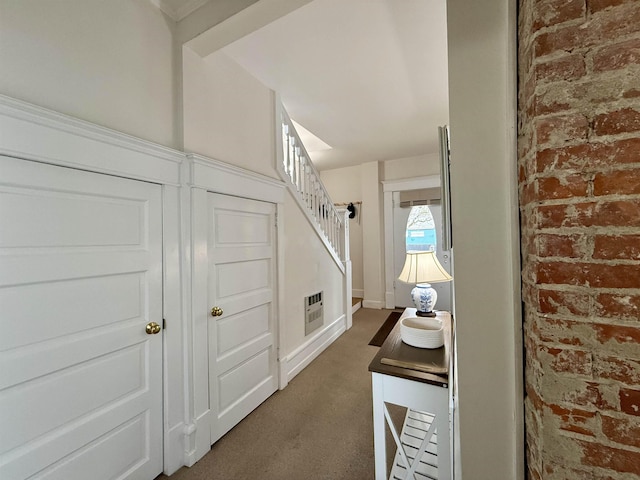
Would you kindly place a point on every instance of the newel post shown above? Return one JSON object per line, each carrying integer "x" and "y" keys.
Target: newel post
{"x": 347, "y": 272}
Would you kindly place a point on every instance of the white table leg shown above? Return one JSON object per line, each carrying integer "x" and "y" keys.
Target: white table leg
{"x": 379, "y": 441}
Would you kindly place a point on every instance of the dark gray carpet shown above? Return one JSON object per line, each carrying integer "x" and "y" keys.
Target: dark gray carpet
{"x": 319, "y": 427}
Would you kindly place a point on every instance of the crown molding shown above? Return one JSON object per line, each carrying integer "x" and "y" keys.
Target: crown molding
{"x": 177, "y": 14}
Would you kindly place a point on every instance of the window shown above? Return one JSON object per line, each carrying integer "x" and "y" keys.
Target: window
{"x": 421, "y": 230}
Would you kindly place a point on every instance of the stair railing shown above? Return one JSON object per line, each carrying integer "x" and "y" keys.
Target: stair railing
{"x": 304, "y": 180}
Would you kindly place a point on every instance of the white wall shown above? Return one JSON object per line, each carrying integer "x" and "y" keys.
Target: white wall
{"x": 420, "y": 166}
{"x": 107, "y": 62}
{"x": 344, "y": 186}
{"x": 482, "y": 70}
{"x": 372, "y": 248}
{"x": 228, "y": 114}
{"x": 308, "y": 270}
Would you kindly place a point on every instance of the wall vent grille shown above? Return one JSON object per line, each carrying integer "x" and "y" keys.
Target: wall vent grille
{"x": 313, "y": 312}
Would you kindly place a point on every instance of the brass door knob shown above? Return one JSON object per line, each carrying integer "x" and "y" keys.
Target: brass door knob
{"x": 153, "y": 328}
{"x": 216, "y": 312}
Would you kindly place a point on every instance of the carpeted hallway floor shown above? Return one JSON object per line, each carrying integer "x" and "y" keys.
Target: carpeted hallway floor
{"x": 318, "y": 428}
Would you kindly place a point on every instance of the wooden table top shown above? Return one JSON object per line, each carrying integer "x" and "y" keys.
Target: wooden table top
{"x": 424, "y": 365}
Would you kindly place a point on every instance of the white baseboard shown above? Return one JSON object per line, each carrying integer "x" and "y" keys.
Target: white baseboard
{"x": 197, "y": 439}
{"x": 390, "y": 300}
{"x": 174, "y": 449}
{"x": 356, "y": 307}
{"x": 296, "y": 361}
{"x": 357, "y": 293}
{"x": 375, "y": 304}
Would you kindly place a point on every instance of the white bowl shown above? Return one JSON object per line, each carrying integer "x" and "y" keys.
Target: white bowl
{"x": 422, "y": 332}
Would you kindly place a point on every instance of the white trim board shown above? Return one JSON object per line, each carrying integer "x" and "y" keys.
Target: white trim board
{"x": 64, "y": 140}
{"x": 219, "y": 177}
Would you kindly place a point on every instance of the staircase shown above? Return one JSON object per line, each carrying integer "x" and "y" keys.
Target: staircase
{"x": 303, "y": 181}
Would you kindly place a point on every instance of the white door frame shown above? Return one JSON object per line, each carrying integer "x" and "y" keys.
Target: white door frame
{"x": 206, "y": 175}
{"x": 388, "y": 187}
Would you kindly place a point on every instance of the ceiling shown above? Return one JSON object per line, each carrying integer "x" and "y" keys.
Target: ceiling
{"x": 367, "y": 77}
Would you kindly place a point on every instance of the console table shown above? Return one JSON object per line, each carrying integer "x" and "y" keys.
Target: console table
{"x": 417, "y": 379}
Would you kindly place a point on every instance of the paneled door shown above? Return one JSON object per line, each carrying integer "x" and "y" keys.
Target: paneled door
{"x": 241, "y": 292}
{"x": 80, "y": 285}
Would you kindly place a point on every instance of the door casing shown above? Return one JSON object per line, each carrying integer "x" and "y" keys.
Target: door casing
{"x": 388, "y": 187}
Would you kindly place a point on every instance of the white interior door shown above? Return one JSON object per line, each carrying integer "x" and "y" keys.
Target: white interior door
{"x": 241, "y": 283}
{"x": 80, "y": 278}
{"x": 402, "y": 291}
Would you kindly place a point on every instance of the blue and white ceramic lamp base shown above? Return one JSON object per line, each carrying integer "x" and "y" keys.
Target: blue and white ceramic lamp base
{"x": 424, "y": 298}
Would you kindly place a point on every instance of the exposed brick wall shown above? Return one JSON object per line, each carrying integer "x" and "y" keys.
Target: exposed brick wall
{"x": 579, "y": 178}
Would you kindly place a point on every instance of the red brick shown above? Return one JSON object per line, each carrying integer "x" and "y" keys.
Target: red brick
{"x": 612, "y": 305}
{"x": 564, "y": 332}
{"x": 604, "y": 456}
{"x": 620, "y": 121}
{"x": 534, "y": 398}
{"x": 569, "y": 361}
{"x": 547, "y": 102}
{"x": 619, "y": 182}
{"x": 561, "y": 129}
{"x": 630, "y": 403}
{"x": 595, "y": 275}
{"x": 617, "y": 56}
{"x": 569, "y": 246}
{"x": 625, "y": 431}
{"x": 604, "y": 214}
{"x": 528, "y": 194}
{"x": 613, "y": 24}
{"x": 620, "y": 369}
{"x": 569, "y": 186}
{"x": 631, "y": 93}
{"x": 590, "y": 394}
{"x": 563, "y": 39}
{"x": 618, "y": 333}
{"x": 562, "y": 471}
{"x": 553, "y": 12}
{"x": 575, "y": 420}
{"x": 601, "y": 28}
{"x": 570, "y": 67}
{"x": 560, "y": 97}
{"x": 598, "y": 5}
{"x": 589, "y": 155}
{"x": 563, "y": 302}
{"x": 617, "y": 247}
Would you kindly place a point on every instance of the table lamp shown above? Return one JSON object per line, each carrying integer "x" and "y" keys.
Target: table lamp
{"x": 423, "y": 268}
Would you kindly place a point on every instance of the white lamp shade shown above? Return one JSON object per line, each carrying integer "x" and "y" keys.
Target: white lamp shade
{"x": 423, "y": 267}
